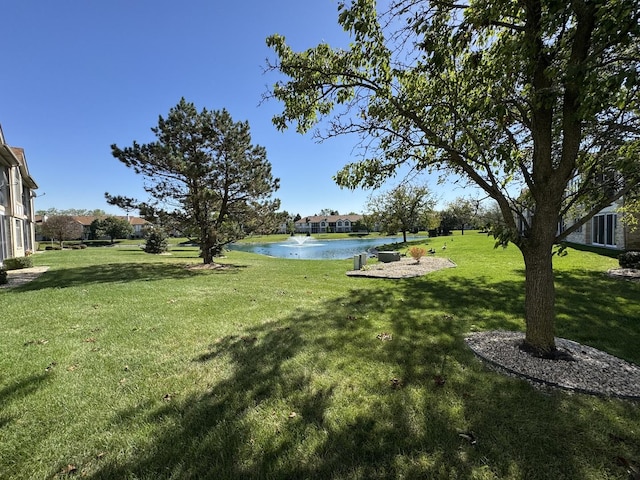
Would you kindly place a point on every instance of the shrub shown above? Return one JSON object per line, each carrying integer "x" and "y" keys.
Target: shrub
{"x": 53, "y": 247}
{"x": 18, "y": 263}
{"x": 3, "y": 275}
{"x": 417, "y": 253}
{"x": 629, "y": 260}
{"x": 156, "y": 240}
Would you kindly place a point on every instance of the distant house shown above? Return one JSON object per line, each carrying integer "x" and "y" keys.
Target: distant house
{"x": 137, "y": 223}
{"x": 327, "y": 224}
{"x": 17, "y": 222}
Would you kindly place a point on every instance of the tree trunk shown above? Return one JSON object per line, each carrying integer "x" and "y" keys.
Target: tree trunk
{"x": 207, "y": 242}
{"x": 207, "y": 256}
{"x": 539, "y": 301}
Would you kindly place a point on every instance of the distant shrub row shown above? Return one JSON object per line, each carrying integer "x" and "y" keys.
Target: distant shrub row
{"x": 79, "y": 246}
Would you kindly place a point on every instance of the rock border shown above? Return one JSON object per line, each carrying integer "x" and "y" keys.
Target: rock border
{"x": 625, "y": 273}
{"x": 592, "y": 372}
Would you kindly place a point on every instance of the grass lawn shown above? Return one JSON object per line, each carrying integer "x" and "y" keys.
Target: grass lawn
{"x": 116, "y": 364}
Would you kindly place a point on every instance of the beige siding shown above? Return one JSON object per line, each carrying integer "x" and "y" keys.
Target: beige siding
{"x": 633, "y": 239}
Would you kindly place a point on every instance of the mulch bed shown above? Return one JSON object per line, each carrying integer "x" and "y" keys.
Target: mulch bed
{"x": 405, "y": 268}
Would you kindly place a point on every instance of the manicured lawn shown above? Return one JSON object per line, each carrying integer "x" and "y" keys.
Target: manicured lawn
{"x": 117, "y": 364}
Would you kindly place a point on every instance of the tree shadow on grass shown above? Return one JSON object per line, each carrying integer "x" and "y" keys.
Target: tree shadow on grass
{"x": 313, "y": 396}
{"x": 119, "y": 273}
{"x": 599, "y": 311}
{"x": 17, "y": 391}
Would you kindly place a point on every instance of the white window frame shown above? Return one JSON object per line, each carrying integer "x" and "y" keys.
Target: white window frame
{"x": 604, "y": 230}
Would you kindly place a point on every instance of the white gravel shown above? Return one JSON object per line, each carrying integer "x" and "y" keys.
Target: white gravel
{"x": 593, "y": 371}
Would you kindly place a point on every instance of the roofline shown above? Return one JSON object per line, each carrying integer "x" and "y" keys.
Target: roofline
{"x": 7, "y": 153}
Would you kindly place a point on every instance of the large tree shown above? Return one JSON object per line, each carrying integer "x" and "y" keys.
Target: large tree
{"x": 403, "y": 208}
{"x": 61, "y": 228}
{"x": 112, "y": 227}
{"x": 203, "y": 172}
{"x": 513, "y": 95}
{"x": 459, "y": 213}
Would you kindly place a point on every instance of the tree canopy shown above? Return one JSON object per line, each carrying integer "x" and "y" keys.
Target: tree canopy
{"x": 111, "y": 226}
{"x": 72, "y": 212}
{"x": 61, "y": 228}
{"x": 403, "y": 208}
{"x": 459, "y": 213}
{"x": 204, "y": 174}
{"x": 535, "y": 95}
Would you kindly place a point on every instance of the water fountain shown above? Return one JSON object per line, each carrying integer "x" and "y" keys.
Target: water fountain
{"x": 299, "y": 240}
{"x": 311, "y": 248}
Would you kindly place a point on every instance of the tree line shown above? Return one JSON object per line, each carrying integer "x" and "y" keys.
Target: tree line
{"x": 62, "y": 227}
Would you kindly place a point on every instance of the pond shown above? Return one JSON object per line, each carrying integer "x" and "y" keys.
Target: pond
{"x": 310, "y": 248}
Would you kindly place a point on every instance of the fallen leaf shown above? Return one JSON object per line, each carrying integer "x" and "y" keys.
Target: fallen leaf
{"x": 90, "y": 340}
{"x": 384, "y": 336}
{"x": 168, "y": 397}
{"x": 69, "y": 469}
{"x": 50, "y": 367}
{"x": 469, "y": 437}
{"x": 293, "y": 415}
{"x": 396, "y": 383}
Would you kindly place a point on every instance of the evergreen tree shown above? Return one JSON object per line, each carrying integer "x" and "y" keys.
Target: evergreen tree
{"x": 204, "y": 173}
{"x": 156, "y": 240}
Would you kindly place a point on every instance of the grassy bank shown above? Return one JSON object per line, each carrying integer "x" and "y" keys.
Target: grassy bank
{"x": 118, "y": 364}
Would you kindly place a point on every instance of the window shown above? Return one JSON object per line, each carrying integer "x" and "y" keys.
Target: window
{"x": 19, "y": 239}
{"x": 17, "y": 183}
{"x": 4, "y": 188}
{"x": 26, "y": 202}
{"x": 603, "y": 230}
{"x": 4, "y": 239}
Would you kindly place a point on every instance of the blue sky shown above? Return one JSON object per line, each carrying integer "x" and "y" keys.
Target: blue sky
{"x": 79, "y": 75}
